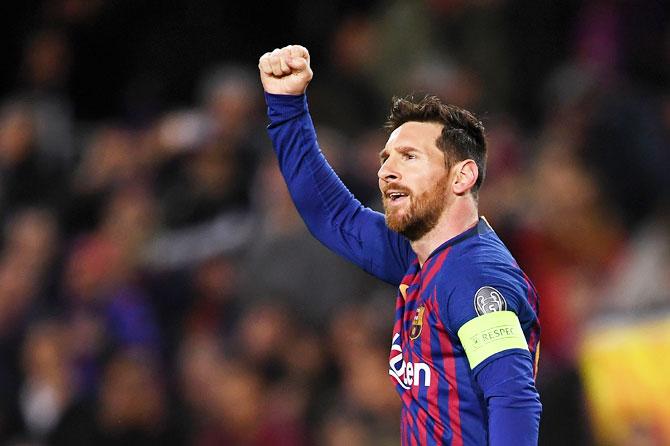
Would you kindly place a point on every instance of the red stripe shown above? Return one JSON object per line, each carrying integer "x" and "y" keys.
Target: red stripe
{"x": 450, "y": 372}
{"x": 532, "y": 295}
{"x": 407, "y": 401}
{"x": 410, "y": 419}
{"x": 407, "y": 434}
{"x": 433, "y": 389}
{"x": 435, "y": 266}
{"x": 421, "y": 415}
{"x": 533, "y": 338}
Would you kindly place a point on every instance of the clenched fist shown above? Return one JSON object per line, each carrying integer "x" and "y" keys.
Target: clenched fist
{"x": 286, "y": 70}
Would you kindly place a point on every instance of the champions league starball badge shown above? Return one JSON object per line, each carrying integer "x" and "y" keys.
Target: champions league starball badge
{"x": 488, "y": 300}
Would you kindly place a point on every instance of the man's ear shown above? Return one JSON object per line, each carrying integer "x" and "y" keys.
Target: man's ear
{"x": 466, "y": 174}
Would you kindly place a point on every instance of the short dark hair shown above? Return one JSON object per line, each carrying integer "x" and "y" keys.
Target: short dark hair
{"x": 462, "y": 133}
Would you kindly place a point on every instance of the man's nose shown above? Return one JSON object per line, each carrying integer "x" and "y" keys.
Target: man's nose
{"x": 388, "y": 171}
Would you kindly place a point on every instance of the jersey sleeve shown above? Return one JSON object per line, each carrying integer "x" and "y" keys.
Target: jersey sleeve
{"x": 484, "y": 311}
{"x": 332, "y": 214}
{"x": 513, "y": 403}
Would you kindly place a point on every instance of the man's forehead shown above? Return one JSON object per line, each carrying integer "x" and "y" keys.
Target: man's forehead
{"x": 414, "y": 133}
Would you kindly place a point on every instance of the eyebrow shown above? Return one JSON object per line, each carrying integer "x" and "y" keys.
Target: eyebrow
{"x": 402, "y": 149}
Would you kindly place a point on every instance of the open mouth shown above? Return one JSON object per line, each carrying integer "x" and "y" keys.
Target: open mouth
{"x": 396, "y": 196}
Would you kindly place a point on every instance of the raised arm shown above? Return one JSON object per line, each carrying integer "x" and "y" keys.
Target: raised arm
{"x": 329, "y": 210}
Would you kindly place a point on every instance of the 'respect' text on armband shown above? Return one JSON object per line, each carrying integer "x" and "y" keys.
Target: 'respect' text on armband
{"x": 489, "y": 334}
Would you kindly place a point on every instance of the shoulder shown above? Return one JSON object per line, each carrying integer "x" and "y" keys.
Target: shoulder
{"x": 481, "y": 278}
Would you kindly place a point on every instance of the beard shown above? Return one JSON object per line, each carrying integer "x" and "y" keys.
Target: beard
{"x": 423, "y": 213}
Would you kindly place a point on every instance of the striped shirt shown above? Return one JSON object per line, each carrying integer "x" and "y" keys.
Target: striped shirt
{"x": 466, "y": 334}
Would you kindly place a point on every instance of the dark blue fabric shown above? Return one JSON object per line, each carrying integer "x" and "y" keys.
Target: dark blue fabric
{"x": 512, "y": 400}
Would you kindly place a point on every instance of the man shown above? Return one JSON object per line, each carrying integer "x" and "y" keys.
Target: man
{"x": 466, "y": 331}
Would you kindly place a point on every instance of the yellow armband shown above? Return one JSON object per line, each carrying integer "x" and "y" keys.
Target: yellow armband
{"x": 489, "y": 334}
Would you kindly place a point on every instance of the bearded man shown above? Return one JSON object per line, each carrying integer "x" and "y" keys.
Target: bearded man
{"x": 465, "y": 341}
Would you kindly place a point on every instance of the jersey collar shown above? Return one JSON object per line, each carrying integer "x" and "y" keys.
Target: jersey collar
{"x": 482, "y": 227}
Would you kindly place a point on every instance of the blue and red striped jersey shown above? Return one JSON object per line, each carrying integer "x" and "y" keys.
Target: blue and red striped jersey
{"x": 442, "y": 404}
{"x": 466, "y": 334}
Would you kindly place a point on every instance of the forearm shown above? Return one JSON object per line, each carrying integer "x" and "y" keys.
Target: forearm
{"x": 329, "y": 210}
{"x": 316, "y": 190}
{"x": 513, "y": 402}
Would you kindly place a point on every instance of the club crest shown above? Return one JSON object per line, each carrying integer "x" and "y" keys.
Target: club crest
{"x": 417, "y": 323}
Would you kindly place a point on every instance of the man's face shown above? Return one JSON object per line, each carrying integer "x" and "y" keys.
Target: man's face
{"x": 413, "y": 179}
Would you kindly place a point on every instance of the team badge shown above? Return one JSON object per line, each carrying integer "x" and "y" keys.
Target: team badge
{"x": 417, "y": 323}
{"x": 488, "y": 300}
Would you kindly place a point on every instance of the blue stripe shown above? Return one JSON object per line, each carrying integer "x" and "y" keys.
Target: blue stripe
{"x": 415, "y": 417}
{"x": 399, "y": 313}
{"x": 430, "y": 438}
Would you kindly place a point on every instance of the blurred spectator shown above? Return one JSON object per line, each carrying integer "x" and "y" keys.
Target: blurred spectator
{"x": 508, "y": 191}
{"x": 641, "y": 278}
{"x": 131, "y": 408}
{"x": 27, "y": 176}
{"x": 273, "y": 265}
{"x": 230, "y": 98}
{"x": 346, "y": 96}
{"x": 198, "y": 359}
{"x": 210, "y": 308}
{"x": 18, "y": 305}
{"x": 48, "y": 389}
{"x": 26, "y": 262}
{"x": 569, "y": 247}
{"x": 110, "y": 160}
{"x": 357, "y": 406}
{"x": 475, "y": 36}
{"x": 207, "y": 184}
{"x": 31, "y": 238}
{"x": 211, "y": 155}
{"x": 342, "y": 428}
{"x": 626, "y": 135}
{"x": 44, "y": 82}
{"x": 446, "y": 79}
{"x": 238, "y": 408}
{"x": 102, "y": 294}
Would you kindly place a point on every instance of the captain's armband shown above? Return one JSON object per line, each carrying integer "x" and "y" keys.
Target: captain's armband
{"x": 489, "y": 334}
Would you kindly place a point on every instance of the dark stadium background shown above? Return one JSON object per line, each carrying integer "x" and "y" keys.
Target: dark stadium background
{"x": 157, "y": 287}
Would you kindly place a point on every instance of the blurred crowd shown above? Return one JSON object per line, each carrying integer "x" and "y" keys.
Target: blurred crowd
{"x": 157, "y": 285}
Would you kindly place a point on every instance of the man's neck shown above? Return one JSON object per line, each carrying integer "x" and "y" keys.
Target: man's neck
{"x": 457, "y": 218}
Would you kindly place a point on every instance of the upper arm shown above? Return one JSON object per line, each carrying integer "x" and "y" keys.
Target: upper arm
{"x": 485, "y": 311}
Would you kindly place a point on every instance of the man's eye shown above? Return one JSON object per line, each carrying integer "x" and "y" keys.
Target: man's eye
{"x": 409, "y": 156}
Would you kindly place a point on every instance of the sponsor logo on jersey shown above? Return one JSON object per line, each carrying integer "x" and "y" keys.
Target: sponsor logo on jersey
{"x": 488, "y": 300}
{"x": 407, "y": 374}
{"x": 417, "y": 323}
